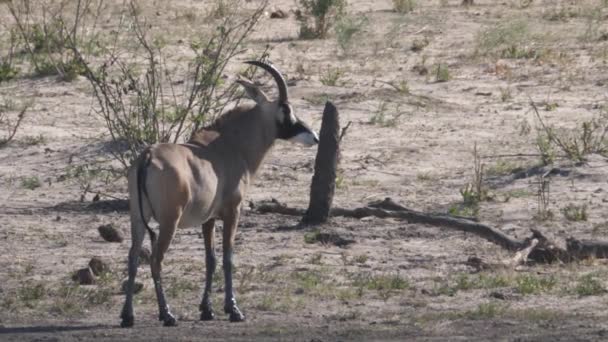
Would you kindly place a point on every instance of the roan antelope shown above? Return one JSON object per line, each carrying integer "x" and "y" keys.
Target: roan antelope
{"x": 184, "y": 185}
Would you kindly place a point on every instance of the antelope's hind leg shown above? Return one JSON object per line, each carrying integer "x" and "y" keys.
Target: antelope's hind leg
{"x": 231, "y": 219}
{"x": 166, "y": 231}
{"x": 210, "y": 264}
{"x": 138, "y": 234}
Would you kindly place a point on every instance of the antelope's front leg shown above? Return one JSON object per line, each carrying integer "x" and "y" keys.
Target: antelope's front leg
{"x": 210, "y": 263}
{"x": 231, "y": 220}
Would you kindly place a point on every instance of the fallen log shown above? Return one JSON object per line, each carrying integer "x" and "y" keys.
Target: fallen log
{"x": 542, "y": 251}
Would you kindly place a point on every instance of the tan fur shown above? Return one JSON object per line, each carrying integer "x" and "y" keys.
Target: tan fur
{"x": 193, "y": 184}
{"x": 195, "y": 180}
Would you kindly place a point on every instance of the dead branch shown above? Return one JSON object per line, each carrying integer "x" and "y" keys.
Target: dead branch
{"x": 536, "y": 248}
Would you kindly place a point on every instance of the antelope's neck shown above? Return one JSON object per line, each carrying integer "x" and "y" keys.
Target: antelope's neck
{"x": 251, "y": 139}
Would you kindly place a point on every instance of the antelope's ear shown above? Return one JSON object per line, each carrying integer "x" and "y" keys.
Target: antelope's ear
{"x": 253, "y": 91}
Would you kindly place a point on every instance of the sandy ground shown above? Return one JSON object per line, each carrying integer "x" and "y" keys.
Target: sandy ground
{"x": 397, "y": 281}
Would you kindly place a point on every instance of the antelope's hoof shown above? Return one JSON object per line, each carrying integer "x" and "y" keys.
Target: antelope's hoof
{"x": 207, "y": 315}
{"x": 236, "y": 315}
{"x": 127, "y": 322}
{"x": 168, "y": 320}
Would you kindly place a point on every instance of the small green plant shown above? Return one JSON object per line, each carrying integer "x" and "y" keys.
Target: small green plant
{"x": 551, "y": 106}
{"x": 509, "y": 39}
{"x": 380, "y": 117}
{"x": 31, "y": 293}
{"x": 404, "y": 6}
{"x": 573, "y": 212}
{"x": 505, "y": 94}
{"x": 361, "y": 259}
{"x": 545, "y": 149}
{"x": 385, "y": 284}
{"x": 543, "y": 212}
{"x": 222, "y": 8}
{"x": 33, "y": 140}
{"x": 346, "y": 28}
{"x": 316, "y": 259}
{"x": 530, "y": 284}
{"x": 7, "y": 71}
{"x": 312, "y": 237}
{"x": 419, "y": 44}
{"x": 501, "y": 168}
{"x": 441, "y": 72}
{"x": 340, "y": 180}
{"x": 31, "y": 183}
{"x": 401, "y": 87}
{"x": 331, "y": 77}
{"x": 463, "y": 210}
{"x": 589, "y": 285}
{"x": 465, "y": 282}
{"x": 316, "y": 17}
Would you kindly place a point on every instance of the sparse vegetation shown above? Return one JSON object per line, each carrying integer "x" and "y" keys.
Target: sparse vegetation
{"x": 31, "y": 183}
{"x": 530, "y": 284}
{"x": 404, "y": 6}
{"x": 508, "y": 39}
{"x": 317, "y": 16}
{"x": 379, "y": 117}
{"x": 347, "y": 28}
{"x": 543, "y": 192}
{"x": 441, "y": 73}
{"x": 331, "y": 77}
{"x": 573, "y": 212}
{"x": 576, "y": 143}
{"x": 589, "y": 285}
{"x": 473, "y": 192}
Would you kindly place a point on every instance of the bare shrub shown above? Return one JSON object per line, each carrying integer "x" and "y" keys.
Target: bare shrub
{"x": 590, "y": 137}
{"x": 44, "y": 30}
{"x": 10, "y": 120}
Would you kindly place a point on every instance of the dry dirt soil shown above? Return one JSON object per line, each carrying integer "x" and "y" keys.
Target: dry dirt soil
{"x": 412, "y": 137}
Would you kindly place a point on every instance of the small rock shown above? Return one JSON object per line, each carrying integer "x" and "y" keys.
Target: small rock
{"x": 98, "y": 266}
{"x": 109, "y": 233}
{"x": 84, "y": 276}
{"x": 145, "y": 256}
{"x": 136, "y": 289}
{"x": 278, "y": 14}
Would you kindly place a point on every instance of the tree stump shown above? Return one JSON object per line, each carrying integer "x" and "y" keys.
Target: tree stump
{"x": 326, "y": 161}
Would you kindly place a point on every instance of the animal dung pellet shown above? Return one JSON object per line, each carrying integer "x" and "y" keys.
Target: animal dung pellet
{"x": 84, "y": 276}
{"x": 278, "y": 14}
{"x": 137, "y": 287}
{"x": 144, "y": 256}
{"x": 98, "y": 266}
{"x": 109, "y": 233}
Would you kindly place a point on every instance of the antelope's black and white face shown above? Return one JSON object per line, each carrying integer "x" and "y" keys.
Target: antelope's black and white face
{"x": 290, "y": 128}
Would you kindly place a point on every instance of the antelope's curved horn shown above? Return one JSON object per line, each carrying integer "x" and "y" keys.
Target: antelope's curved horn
{"x": 278, "y": 78}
